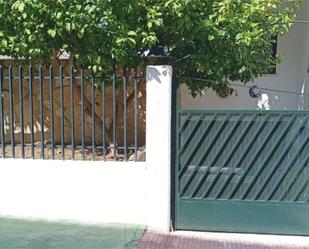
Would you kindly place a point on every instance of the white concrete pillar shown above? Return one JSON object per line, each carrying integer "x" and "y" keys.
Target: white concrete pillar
{"x": 158, "y": 145}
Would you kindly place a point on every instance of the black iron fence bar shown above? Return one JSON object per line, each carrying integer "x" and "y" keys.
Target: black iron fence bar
{"x": 11, "y": 111}
{"x": 125, "y": 113}
{"x": 51, "y": 103}
{"x": 62, "y": 114}
{"x": 135, "y": 112}
{"x": 114, "y": 113}
{"x": 36, "y": 115}
{"x": 103, "y": 119}
{"x": 2, "y": 113}
{"x": 31, "y": 111}
{"x": 21, "y": 110}
{"x": 41, "y": 111}
{"x": 93, "y": 118}
{"x": 83, "y": 112}
{"x": 72, "y": 113}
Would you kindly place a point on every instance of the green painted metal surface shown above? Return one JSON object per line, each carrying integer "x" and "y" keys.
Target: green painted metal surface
{"x": 243, "y": 171}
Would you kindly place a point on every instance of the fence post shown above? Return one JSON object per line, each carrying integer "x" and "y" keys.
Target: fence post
{"x": 158, "y": 144}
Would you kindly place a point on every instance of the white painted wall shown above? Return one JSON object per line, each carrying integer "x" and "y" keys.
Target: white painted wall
{"x": 95, "y": 192}
{"x": 294, "y": 51}
{"x": 158, "y": 144}
{"x": 100, "y": 192}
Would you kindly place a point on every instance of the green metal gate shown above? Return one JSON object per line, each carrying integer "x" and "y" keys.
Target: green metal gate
{"x": 242, "y": 171}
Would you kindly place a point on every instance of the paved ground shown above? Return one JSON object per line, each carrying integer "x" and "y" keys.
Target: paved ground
{"x": 196, "y": 240}
{"x": 21, "y": 234}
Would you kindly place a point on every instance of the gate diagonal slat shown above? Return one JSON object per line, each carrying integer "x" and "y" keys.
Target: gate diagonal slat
{"x": 249, "y": 147}
{"x": 231, "y": 154}
{"x": 294, "y": 178}
{"x": 223, "y": 146}
{"x": 285, "y": 150}
{"x": 307, "y": 199}
{"x": 185, "y": 123}
{"x": 256, "y": 134}
{"x": 192, "y": 153}
{"x": 196, "y": 168}
{"x": 256, "y": 155}
{"x": 287, "y": 169}
{"x": 284, "y": 174}
{"x": 192, "y": 134}
{"x": 267, "y": 158}
{"x": 196, "y": 148}
{"x": 208, "y": 150}
{"x": 301, "y": 187}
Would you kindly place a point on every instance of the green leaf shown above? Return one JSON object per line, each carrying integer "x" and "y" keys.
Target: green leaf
{"x": 149, "y": 25}
{"x": 31, "y": 38}
{"x": 19, "y": 5}
{"x": 4, "y": 43}
{"x": 52, "y": 32}
{"x": 211, "y": 37}
{"x": 68, "y": 26}
{"x": 120, "y": 40}
{"x": 132, "y": 41}
{"x": 80, "y": 33}
{"x": 58, "y": 15}
{"x": 132, "y": 33}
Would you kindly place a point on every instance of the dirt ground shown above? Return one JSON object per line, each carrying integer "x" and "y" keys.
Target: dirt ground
{"x": 88, "y": 155}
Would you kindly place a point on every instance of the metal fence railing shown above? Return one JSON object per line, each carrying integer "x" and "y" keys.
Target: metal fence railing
{"x": 244, "y": 155}
{"x": 68, "y": 113}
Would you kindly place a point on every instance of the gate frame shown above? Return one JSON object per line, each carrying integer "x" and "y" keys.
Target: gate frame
{"x": 174, "y": 147}
{"x": 273, "y": 227}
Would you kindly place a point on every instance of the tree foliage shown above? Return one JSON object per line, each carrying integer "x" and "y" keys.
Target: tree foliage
{"x": 219, "y": 40}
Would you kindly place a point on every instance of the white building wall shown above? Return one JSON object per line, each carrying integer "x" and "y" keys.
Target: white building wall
{"x": 291, "y": 73}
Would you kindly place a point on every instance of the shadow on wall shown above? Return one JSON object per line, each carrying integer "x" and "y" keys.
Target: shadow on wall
{"x": 154, "y": 73}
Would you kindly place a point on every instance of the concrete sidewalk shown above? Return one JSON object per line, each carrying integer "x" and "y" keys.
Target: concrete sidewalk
{"x": 204, "y": 240}
{"x": 35, "y": 234}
